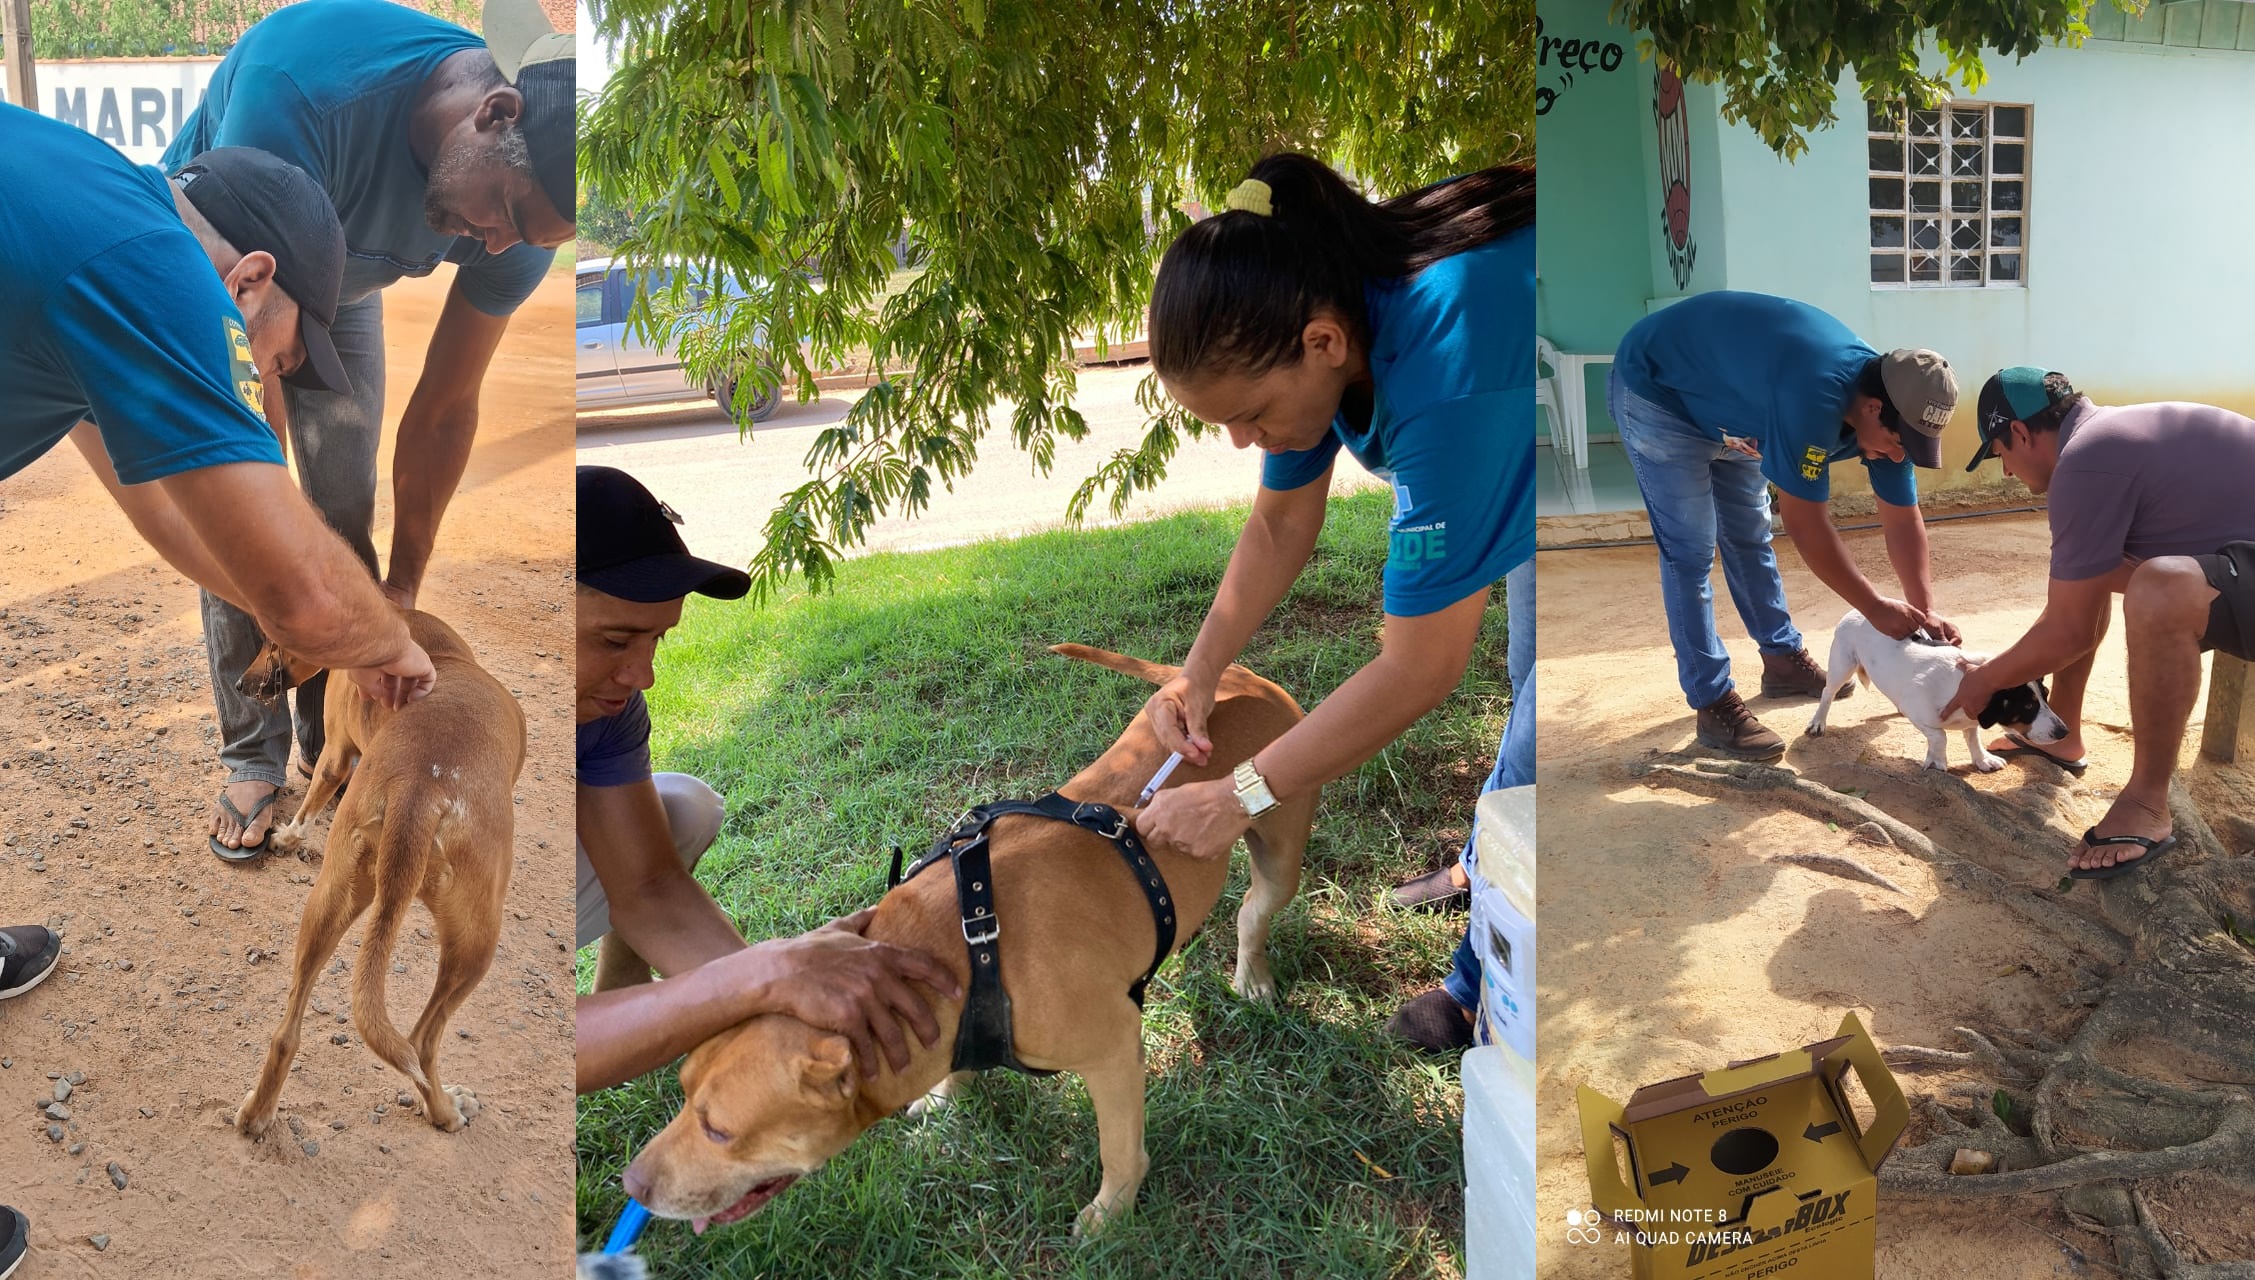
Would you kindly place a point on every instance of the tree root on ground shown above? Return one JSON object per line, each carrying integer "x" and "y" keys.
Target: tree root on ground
{"x": 2167, "y": 972}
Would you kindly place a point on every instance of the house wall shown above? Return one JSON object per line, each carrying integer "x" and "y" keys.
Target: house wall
{"x": 2141, "y": 169}
{"x": 2139, "y": 273}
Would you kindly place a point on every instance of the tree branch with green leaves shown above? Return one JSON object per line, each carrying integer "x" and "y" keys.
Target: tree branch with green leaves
{"x": 1778, "y": 63}
{"x": 1032, "y": 155}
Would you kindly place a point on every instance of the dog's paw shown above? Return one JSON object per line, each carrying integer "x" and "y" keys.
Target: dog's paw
{"x": 462, "y": 1106}
{"x": 1987, "y": 763}
{"x": 1254, "y": 981}
{"x": 1093, "y": 1218}
{"x": 287, "y": 838}
{"x": 249, "y": 1120}
{"x": 1815, "y": 729}
{"x": 1938, "y": 764}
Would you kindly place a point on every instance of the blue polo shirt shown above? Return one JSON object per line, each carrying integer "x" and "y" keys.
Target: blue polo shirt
{"x": 615, "y": 750}
{"x": 110, "y": 310}
{"x": 1776, "y": 371}
{"x": 1452, "y": 424}
{"x": 330, "y": 85}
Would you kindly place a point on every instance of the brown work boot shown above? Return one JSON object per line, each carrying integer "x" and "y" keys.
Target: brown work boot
{"x": 1727, "y": 726}
{"x": 1795, "y": 675}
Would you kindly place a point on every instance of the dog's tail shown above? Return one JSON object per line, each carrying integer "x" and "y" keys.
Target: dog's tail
{"x": 409, "y": 829}
{"x": 1235, "y": 680}
{"x": 1137, "y": 667}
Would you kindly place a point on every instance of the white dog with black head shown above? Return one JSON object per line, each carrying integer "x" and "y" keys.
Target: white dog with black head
{"x": 1921, "y": 677}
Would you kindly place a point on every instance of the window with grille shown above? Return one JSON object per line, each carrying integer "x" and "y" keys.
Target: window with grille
{"x": 1949, "y": 195}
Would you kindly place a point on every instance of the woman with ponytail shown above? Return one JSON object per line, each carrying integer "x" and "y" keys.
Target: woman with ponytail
{"x": 1305, "y": 320}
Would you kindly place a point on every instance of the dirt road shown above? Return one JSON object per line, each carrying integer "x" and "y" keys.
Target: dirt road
{"x": 1674, "y": 938}
{"x": 691, "y": 456}
{"x": 177, "y": 963}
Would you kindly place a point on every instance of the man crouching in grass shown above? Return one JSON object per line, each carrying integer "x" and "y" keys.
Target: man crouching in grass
{"x": 641, "y": 834}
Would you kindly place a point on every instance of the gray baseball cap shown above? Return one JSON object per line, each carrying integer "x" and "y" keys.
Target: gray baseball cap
{"x": 1922, "y": 391}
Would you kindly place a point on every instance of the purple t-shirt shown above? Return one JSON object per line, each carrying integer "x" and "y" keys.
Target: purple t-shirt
{"x": 2146, "y": 480}
{"x": 615, "y": 750}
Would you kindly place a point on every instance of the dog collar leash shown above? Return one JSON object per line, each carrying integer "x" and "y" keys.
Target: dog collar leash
{"x": 983, "y": 1038}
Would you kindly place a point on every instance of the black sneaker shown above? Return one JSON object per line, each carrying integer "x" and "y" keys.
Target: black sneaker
{"x": 37, "y": 949}
{"x": 15, "y": 1237}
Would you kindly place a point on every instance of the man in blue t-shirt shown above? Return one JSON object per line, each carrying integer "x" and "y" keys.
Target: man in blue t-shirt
{"x": 435, "y": 145}
{"x": 147, "y": 320}
{"x": 1723, "y": 394}
{"x": 641, "y": 834}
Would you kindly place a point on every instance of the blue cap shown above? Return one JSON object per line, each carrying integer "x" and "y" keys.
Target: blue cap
{"x": 2013, "y": 395}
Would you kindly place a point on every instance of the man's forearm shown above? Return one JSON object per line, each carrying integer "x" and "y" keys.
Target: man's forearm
{"x": 636, "y": 1030}
{"x": 427, "y": 466}
{"x": 673, "y": 924}
{"x": 435, "y": 431}
{"x": 297, "y": 577}
{"x": 1905, "y": 531}
{"x": 158, "y": 521}
{"x": 1809, "y": 524}
{"x": 2050, "y": 646}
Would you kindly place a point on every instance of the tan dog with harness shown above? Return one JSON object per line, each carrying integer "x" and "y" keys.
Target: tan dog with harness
{"x": 767, "y": 1102}
{"x": 430, "y": 814}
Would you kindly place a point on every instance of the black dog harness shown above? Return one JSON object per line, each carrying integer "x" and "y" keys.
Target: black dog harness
{"x": 983, "y": 1037}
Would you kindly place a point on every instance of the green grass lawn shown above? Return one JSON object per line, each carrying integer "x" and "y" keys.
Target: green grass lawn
{"x": 1295, "y": 1141}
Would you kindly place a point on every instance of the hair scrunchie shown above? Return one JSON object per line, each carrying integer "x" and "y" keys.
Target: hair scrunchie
{"x": 1251, "y": 195}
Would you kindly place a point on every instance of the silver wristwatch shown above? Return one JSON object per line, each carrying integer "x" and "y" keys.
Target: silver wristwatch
{"x": 1253, "y": 792}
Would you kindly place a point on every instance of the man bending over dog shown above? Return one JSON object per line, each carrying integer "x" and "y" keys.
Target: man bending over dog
{"x": 2148, "y": 501}
{"x": 147, "y": 320}
{"x": 641, "y": 834}
{"x": 1718, "y": 397}
{"x": 435, "y": 145}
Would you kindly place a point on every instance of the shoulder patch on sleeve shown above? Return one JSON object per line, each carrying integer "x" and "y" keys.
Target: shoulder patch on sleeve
{"x": 248, "y": 388}
{"x": 1812, "y": 462}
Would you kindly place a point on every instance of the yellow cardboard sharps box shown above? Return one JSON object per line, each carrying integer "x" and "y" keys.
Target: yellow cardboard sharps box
{"x": 1752, "y": 1172}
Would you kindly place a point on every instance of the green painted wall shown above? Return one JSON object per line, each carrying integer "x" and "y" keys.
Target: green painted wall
{"x": 1592, "y": 203}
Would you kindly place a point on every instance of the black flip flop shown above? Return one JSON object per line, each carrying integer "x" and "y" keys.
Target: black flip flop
{"x": 248, "y": 851}
{"x": 2022, "y": 747}
{"x": 2153, "y": 851}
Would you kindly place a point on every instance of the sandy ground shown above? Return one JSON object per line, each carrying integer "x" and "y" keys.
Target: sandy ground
{"x": 1672, "y": 940}
{"x": 177, "y": 963}
{"x": 724, "y": 486}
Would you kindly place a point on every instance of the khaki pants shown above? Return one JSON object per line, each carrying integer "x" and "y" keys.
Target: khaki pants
{"x": 693, "y": 814}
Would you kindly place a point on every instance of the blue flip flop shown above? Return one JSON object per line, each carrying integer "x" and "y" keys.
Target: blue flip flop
{"x": 2153, "y": 851}
{"x": 248, "y": 851}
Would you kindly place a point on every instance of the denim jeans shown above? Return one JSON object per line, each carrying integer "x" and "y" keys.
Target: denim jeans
{"x": 1702, "y": 497}
{"x": 333, "y": 441}
{"x": 1515, "y": 755}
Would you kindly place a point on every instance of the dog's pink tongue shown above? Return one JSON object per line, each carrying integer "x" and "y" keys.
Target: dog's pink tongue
{"x": 698, "y": 1225}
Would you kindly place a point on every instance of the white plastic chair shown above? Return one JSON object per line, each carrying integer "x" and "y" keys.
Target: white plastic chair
{"x": 1551, "y": 395}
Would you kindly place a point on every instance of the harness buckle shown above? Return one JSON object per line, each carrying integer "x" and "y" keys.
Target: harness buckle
{"x": 992, "y": 930}
{"x": 1119, "y": 826}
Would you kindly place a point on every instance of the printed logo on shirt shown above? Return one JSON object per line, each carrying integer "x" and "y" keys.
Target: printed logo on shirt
{"x": 1416, "y": 546}
{"x": 248, "y": 388}
{"x": 1812, "y": 462}
{"x": 1412, "y": 546}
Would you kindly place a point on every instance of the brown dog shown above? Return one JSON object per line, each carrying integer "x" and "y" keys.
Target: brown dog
{"x": 431, "y": 815}
{"x": 767, "y": 1102}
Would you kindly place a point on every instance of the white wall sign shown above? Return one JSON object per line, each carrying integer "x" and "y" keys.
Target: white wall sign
{"x": 135, "y": 104}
